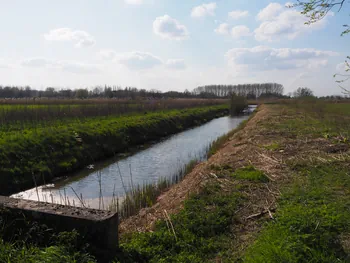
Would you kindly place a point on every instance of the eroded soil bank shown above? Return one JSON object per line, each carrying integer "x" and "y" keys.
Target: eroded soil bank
{"x": 277, "y": 191}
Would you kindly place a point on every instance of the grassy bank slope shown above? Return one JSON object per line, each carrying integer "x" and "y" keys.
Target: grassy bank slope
{"x": 46, "y": 152}
{"x": 312, "y": 223}
{"x": 278, "y": 191}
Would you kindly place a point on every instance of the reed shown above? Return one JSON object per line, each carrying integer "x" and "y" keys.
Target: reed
{"x": 146, "y": 195}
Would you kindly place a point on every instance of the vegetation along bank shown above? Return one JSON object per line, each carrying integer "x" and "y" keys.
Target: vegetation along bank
{"x": 38, "y": 153}
{"x": 275, "y": 190}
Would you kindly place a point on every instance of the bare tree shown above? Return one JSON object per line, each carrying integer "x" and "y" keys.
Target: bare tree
{"x": 303, "y": 92}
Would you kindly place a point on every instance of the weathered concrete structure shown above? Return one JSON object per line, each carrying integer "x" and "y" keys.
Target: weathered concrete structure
{"x": 99, "y": 228}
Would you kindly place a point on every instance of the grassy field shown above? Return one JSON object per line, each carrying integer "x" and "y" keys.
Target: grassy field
{"x": 37, "y": 113}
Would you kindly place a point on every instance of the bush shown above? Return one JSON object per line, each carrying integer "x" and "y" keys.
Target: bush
{"x": 237, "y": 104}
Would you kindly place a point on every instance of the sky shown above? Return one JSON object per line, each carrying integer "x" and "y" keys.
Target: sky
{"x": 168, "y": 44}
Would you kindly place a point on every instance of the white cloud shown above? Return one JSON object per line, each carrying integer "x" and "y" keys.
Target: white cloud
{"x": 238, "y": 14}
{"x": 236, "y": 32}
{"x": 279, "y": 22}
{"x": 80, "y": 38}
{"x": 139, "y": 60}
{"x": 270, "y": 12}
{"x": 240, "y": 31}
{"x": 68, "y": 66}
{"x": 176, "y": 64}
{"x": 78, "y": 67}
{"x": 107, "y": 54}
{"x": 204, "y": 10}
{"x": 169, "y": 28}
{"x": 134, "y": 2}
{"x": 223, "y": 29}
{"x": 38, "y": 63}
{"x": 4, "y": 63}
{"x": 263, "y": 58}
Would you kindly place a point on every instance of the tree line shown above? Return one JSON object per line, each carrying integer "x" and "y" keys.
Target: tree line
{"x": 250, "y": 91}
{"x": 213, "y": 91}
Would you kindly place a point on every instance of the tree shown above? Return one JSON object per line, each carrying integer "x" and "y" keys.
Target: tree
{"x": 303, "y": 92}
{"x": 315, "y": 10}
{"x": 238, "y": 104}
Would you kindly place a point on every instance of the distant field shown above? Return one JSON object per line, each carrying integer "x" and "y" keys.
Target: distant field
{"x": 31, "y": 113}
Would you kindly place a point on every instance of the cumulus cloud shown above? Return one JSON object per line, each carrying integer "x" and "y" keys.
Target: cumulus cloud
{"x": 238, "y": 14}
{"x": 138, "y": 60}
{"x": 79, "y": 37}
{"x": 169, "y": 28}
{"x": 223, "y": 29}
{"x": 236, "y": 32}
{"x": 270, "y": 12}
{"x": 240, "y": 31}
{"x": 68, "y": 66}
{"x": 134, "y": 2}
{"x": 107, "y": 54}
{"x": 266, "y": 58}
{"x": 279, "y": 22}
{"x": 204, "y": 10}
{"x": 176, "y": 64}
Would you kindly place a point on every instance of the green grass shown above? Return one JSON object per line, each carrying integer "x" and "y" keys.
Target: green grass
{"x": 23, "y": 241}
{"x": 201, "y": 231}
{"x": 14, "y": 253}
{"x": 312, "y": 223}
{"x": 273, "y": 146}
{"x": 312, "y": 215}
{"x": 319, "y": 119}
{"x": 22, "y": 114}
{"x": 250, "y": 173}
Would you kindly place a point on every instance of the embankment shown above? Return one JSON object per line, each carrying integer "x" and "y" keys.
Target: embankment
{"x": 37, "y": 155}
{"x": 277, "y": 191}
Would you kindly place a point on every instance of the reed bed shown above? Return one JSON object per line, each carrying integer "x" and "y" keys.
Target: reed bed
{"x": 39, "y": 113}
{"x": 146, "y": 195}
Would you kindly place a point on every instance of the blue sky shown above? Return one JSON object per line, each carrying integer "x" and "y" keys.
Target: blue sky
{"x": 168, "y": 44}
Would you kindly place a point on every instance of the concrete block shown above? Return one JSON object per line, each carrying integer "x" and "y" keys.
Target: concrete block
{"x": 99, "y": 228}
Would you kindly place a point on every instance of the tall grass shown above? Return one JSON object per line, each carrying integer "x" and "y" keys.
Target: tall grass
{"x": 35, "y": 113}
{"x": 146, "y": 195}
